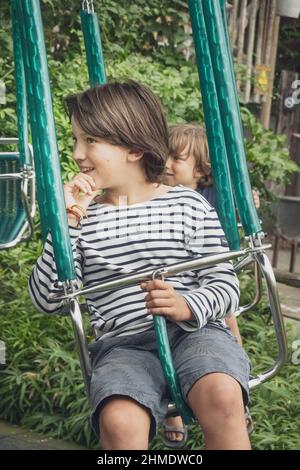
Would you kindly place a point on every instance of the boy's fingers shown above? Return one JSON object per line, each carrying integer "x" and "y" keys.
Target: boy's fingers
{"x": 157, "y": 303}
{"x": 158, "y": 294}
{"x": 164, "y": 311}
{"x": 88, "y": 178}
{"x": 83, "y": 187}
{"x": 155, "y": 284}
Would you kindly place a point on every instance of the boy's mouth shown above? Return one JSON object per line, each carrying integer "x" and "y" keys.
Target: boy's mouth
{"x": 168, "y": 174}
{"x": 86, "y": 169}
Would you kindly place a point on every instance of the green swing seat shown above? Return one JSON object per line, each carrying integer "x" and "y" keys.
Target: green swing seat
{"x": 17, "y": 202}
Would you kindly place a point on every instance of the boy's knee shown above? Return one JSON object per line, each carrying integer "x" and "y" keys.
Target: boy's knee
{"x": 115, "y": 418}
{"x": 220, "y": 395}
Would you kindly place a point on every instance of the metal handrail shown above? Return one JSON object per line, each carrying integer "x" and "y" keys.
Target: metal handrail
{"x": 8, "y": 140}
{"x": 258, "y": 285}
{"x": 81, "y": 342}
{"x": 166, "y": 271}
{"x": 275, "y": 308}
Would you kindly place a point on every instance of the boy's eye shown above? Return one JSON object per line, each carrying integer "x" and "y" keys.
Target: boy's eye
{"x": 90, "y": 140}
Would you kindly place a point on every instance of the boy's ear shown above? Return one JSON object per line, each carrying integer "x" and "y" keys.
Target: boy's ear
{"x": 197, "y": 173}
{"x": 134, "y": 155}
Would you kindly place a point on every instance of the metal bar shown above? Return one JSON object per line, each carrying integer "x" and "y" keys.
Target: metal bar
{"x": 28, "y": 169}
{"x": 258, "y": 292}
{"x": 8, "y": 140}
{"x": 242, "y": 264}
{"x": 81, "y": 342}
{"x": 11, "y": 176}
{"x": 10, "y": 155}
{"x": 275, "y": 308}
{"x": 17, "y": 176}
{"x": 27, "y": 208}
{"x": 166, "y": 271}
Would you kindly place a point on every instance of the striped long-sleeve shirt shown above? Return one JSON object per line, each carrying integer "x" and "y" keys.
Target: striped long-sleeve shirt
{"x": 118, "y": 240}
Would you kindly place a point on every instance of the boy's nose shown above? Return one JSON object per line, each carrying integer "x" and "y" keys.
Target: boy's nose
{"x": 78, "y": 155}
{"x": 168, "y": 163}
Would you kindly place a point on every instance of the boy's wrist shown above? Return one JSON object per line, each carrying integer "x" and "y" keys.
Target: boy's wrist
{"x": 73, "y": 221}
{"x": 187, "y": 313}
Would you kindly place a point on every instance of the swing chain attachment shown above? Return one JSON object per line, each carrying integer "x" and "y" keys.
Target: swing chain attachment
{"x": 158, "y": 274}
{"x": 88, "y": 5}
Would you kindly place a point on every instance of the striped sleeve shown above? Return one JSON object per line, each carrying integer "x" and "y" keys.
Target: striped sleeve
{"x": 43, "y": 280}
{"x": 218, "y": 292}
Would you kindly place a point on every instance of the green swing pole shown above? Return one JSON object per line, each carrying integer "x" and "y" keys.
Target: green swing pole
{"x": 230, "y": 58}
{"x": 215, "y": 135}
{"x": 43, "y": 133}
{"x": 19, "y": 34}
{"x": 93, "y": 47}
{"x": 20, "y": 91}
{"x": 170, "y": 374}
{"x": 230, "y": 115}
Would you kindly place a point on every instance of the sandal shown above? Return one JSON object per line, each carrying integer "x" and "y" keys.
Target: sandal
{"x": 249, "y": 420}
{"x": 180, "y": 430}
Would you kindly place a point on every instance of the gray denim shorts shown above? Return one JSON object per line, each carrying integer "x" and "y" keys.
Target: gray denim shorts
{"x": 129, "y": 366}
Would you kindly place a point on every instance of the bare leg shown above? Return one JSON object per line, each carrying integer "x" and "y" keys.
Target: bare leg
{"x": 234, "y": 328}
{"x": 124, "y": 424}
{"x": 216, "y": 400}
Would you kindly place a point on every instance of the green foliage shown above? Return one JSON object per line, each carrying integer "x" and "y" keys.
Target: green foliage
{"x": 177, "y": 87}
{"x": 267, "y": 155}
{"x": 126, "y": 27}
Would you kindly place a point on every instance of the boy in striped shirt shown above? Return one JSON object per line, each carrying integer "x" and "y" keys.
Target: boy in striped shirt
{"x": 121, "y": 146}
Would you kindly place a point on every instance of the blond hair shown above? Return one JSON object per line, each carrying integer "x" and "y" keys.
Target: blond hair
{"x": 191, "y": 139}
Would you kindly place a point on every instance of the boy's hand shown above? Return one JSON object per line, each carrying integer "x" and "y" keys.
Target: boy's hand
{"x": 162, "y": 299}
{"x": 256, "y": 199}
{"x": 80, "y": 190}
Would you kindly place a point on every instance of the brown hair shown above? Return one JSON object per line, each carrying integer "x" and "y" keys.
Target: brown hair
{"x": 191, "y": 139}
{"x": 125, "y": 114}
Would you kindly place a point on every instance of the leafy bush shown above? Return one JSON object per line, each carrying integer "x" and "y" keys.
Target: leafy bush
{"x": 267, "y": 155}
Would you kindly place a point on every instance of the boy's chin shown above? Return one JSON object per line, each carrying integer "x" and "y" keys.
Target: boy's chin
{"x": 169, "y": 181}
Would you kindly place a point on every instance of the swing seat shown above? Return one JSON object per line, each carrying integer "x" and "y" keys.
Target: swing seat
{"x": 17, "y": 201}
